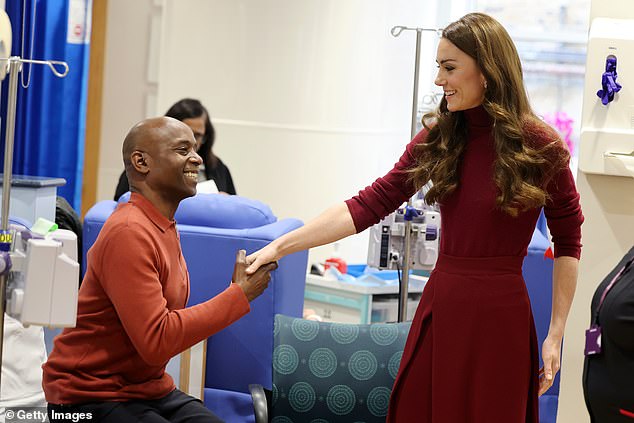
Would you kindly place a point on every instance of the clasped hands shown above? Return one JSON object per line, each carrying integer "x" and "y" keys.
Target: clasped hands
{"x": 252, "y": 284}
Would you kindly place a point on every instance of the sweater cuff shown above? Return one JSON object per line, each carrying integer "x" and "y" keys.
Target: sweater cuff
{"x": 238, "y": 298}
{"x": 568, "y": 252}
{"x": 353, "y": 208}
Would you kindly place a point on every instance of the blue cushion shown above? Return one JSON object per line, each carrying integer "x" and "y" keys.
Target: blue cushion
{"x": 124, "y": 198}
{"x": 230, "y": 406}
{"x": 539, "y": 243}
{"x": 223, "y": 211}
{"x": 220, "y": 211}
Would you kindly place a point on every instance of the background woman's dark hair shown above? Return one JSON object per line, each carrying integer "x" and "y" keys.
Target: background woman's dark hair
{"x": 189, "y": 108}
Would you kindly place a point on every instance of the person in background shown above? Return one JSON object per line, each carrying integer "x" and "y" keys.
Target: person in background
{"x": 494, "y": 165}
{"x": 195, "y": 115}
{"x": 132, "y": 316}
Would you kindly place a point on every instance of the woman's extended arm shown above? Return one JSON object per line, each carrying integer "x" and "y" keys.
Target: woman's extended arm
{"x": 371, "y": 205}
{"x": 331, "y": 225}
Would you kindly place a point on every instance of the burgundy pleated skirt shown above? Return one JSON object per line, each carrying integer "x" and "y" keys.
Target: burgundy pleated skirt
{"x": 471, "y": 355}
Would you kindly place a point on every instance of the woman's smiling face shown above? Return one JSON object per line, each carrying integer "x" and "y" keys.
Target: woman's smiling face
{"x": 459, "y": 76}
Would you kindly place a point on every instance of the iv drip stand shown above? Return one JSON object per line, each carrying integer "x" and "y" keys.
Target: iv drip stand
{"x": 14, "y": 66}
{"x": 404, "y": 282}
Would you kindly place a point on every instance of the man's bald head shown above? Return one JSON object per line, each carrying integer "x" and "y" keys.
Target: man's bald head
{"x": 161, "y": 162}
{"x": 146, "y": 134}
{"x": 145, "y": 140}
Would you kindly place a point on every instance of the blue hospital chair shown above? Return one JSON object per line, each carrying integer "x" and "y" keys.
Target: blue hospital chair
{"x": 538, "y": 274}
{"x": 212, "y": 228}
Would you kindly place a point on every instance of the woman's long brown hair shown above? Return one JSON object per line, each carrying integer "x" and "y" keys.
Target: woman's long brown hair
{"x": 521, "y": 169}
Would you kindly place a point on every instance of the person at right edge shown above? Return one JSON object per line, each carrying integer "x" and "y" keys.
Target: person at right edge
{"x": 494, "y": 165}
{"x": 608, "y": 372}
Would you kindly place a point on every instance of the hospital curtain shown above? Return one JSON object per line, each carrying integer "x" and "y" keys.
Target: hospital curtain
{"x": 51, "y": 112}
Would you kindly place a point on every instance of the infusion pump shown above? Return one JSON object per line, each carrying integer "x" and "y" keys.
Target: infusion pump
{"x": 387, "y": 240}
{"x": 43, "y": 278}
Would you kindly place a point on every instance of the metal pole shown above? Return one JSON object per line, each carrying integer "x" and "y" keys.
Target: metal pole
{"x": 14, "y": 70}
{"x": 413, "y": 130}
{"x": 402, "y": 301}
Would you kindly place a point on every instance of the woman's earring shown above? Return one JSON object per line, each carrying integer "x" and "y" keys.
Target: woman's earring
{"x": 485, "y": 85}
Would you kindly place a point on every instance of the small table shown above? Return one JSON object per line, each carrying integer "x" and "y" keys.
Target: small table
{"x": 359, "y": 302}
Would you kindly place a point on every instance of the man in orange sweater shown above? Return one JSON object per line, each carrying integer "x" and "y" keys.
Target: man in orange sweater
{"x": 131, "y": 317}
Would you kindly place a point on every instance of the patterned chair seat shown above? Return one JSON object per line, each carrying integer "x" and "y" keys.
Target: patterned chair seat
{"x": 333, "y": 372}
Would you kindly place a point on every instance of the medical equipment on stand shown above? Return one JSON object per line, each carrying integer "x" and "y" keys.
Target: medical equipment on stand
{"x": 387, "y": 239}
{"x": 42, "y": 278}
{"x": 43, "y": 274}
{"x": 407, "y": 229}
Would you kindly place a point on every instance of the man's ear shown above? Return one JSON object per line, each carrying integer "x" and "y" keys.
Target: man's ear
{"x": 139, "y": 162}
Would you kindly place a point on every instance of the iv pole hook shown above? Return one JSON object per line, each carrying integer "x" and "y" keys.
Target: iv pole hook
{"x": 396, "y": 30}
{"x": 50, "y": 63}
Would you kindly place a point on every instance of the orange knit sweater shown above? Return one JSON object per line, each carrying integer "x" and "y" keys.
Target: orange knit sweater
{"x": 131, "y": 318}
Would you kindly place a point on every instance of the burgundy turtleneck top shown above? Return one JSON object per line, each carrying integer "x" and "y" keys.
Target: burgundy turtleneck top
{"x": 471, "y": 223}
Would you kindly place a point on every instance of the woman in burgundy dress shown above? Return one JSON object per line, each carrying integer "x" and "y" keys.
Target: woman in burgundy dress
{"x": 494, "y": 165}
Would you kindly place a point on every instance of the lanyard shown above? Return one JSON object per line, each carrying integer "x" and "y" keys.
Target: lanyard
{"x": 614, "y": 280}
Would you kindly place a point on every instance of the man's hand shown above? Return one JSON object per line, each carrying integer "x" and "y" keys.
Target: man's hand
{"x": 252, "y": 285}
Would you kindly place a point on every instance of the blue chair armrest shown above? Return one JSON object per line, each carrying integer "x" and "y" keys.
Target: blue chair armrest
{"x": 230, "y": 406}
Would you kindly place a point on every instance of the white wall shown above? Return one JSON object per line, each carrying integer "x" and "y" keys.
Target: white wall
{"x": 128, "y": 85}
{"x": 311, "y": 99}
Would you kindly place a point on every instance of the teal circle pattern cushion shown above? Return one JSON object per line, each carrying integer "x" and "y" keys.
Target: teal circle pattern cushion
{"x": 334, "y": 372}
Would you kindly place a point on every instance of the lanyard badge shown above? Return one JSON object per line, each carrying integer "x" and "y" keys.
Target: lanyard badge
{"x": 593, "y": 340}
